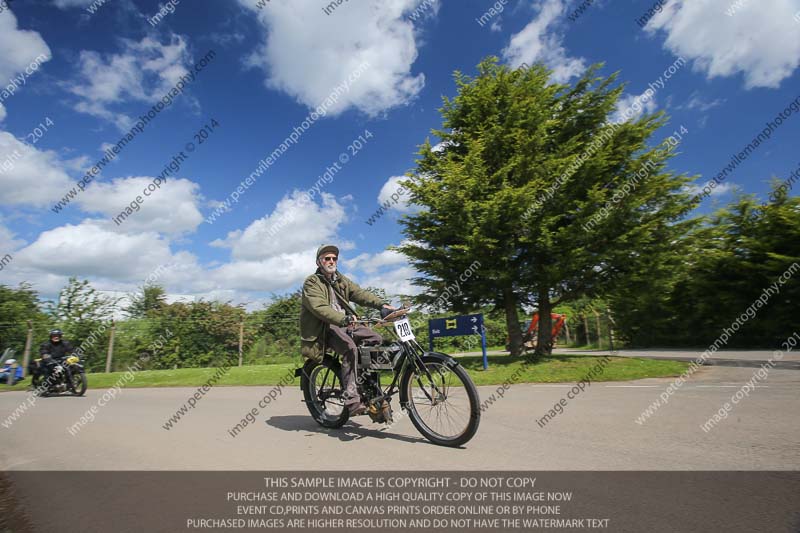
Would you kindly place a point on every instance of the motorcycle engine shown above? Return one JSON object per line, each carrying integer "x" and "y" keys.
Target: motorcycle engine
{"x": 378, "y": 357}
{"x": 380, "y": 411}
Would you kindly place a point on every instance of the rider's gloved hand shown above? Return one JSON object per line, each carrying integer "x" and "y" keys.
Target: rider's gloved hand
{"x": 386, "y": 311}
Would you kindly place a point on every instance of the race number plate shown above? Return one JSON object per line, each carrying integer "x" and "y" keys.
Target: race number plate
{"x": 403, "y": 329}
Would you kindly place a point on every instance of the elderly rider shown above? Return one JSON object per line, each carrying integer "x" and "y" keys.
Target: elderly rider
{"x": 327, "y": 315}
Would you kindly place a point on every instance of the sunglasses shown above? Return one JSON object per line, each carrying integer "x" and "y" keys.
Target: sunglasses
{"x": 330, "y": 258}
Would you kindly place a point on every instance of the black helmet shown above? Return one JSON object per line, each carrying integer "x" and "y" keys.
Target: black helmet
{"x": 56, "y": 333}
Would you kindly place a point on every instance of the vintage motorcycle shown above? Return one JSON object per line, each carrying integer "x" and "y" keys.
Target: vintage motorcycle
{"x": 435, "y": 390}
{"x": 66, "y": 375}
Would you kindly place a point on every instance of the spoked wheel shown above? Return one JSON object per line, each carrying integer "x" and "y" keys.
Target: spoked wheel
{"x": 322, "y": 389}
{"x": 441, "y": 400}
{"x": 79, "y": 383}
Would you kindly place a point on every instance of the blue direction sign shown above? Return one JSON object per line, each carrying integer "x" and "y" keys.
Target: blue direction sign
{"x": 457, "y": 326}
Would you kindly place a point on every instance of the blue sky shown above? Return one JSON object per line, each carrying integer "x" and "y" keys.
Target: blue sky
{"x": 102, "y": 64}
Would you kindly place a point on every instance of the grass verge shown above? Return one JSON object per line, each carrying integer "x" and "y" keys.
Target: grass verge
{"x": 568, "y": 369}
{"x": 554, "y": 369}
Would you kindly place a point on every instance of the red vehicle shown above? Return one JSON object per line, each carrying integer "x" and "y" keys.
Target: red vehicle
{"x": 530, "y": 337}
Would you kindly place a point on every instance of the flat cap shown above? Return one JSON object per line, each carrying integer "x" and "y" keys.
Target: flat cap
{"x": 325, "y": 248}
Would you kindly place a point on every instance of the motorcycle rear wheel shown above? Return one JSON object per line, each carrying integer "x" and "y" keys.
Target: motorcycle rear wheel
{"x": 323, "y": 393}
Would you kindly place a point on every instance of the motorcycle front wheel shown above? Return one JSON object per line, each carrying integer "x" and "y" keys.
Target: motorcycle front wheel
{"x": 323, "y": 393}
{"x": 441, "y": 400}
{"x": 79, "y": 383}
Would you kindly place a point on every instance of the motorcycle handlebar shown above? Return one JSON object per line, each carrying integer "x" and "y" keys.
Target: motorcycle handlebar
{"x": 394, "y": 315}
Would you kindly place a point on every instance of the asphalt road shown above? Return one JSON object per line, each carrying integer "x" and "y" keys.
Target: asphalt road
{"x": 597, "y": 431}
{"x": 735, "y": 358}
{"x": 751, "y": 358}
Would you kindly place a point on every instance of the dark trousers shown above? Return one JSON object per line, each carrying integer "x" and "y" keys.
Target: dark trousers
{"x": 345, "y": 345}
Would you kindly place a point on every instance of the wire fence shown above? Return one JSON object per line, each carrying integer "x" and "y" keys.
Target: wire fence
{"x": 113, "y": 345}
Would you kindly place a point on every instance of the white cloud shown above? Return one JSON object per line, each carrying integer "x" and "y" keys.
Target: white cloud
{"x": 276, "y": 252}
{"x": 170, "y": 209}
{"x": 275, "y": 273}
{"x": 371, "y": 263}
{"x": 105, "y": 147}
{"x": 226, "y": 39}
{"x": 719, "y": 190}
{"x": 760, "y": 41}
{"x": 31, "y": 176}
{"x": 18, "y": 48}
{"x": 392, "y": 187}
{"x": 2, "y": 112}
{"x": 7, "y": 241}
{"x": 92, "y": 249}
{"x": 144, "y": 71}
{"x": 697, "y": 102}
{"x": 112, "y": 261}
{"x": 634, "y": 106}
{"x": 388, "y": 270}
{"x": 121, "y": 262}
{"x": 394, "y": 282}
{"x": 541, "y": 41}
{"x": 121, "y": 258}
{"x": 297, "y": 224}
{"x": 326, "y": 49}
{"x": 47, "y": 285}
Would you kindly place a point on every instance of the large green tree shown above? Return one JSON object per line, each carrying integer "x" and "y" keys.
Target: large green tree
{"x": 524, "y": 170}
{"x": 716, "y": 274}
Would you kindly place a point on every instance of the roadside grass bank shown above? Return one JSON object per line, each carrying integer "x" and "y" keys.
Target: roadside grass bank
{"x": 567, "y": 369}
{"x": 554, "y": 369}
